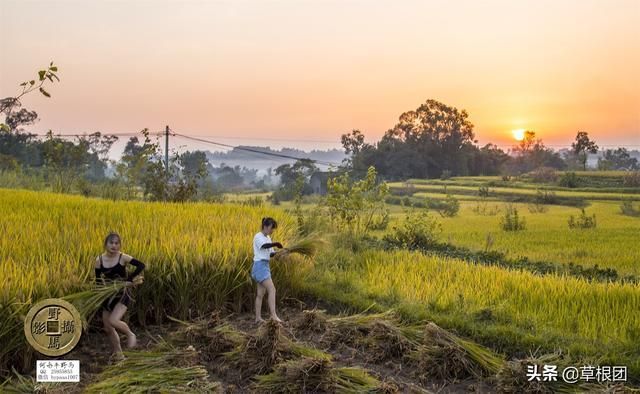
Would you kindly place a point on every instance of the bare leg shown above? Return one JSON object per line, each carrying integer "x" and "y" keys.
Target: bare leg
{"x": 119, "y": 311}
{"x": 111, "y": 333}
{"x": 259, "y": 295}
{"x": 271, "y": 298}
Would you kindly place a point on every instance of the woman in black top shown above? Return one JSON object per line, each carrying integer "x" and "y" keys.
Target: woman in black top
{"x": 112, "y": 265}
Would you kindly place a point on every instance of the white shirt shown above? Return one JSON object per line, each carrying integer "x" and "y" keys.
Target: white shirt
{"x": 258, "y": 253}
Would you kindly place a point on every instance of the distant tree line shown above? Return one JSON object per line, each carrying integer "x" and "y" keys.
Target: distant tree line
{"x": 437, "y": 140}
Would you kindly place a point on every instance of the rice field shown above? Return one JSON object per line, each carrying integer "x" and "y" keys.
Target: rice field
{"x": 547, "y": 237}
{"x": 499, "y": 307}
{"x": 198, "y": 256}
{"x": 48, "y": 236}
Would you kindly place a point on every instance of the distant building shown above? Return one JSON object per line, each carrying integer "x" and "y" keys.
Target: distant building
{"x": 318, "y": 182}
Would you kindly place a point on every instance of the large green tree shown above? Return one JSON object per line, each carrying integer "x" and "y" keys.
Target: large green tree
{"x": 425, "y": 142}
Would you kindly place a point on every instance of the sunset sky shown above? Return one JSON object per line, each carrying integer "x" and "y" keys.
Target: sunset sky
{"x": 301, "y": 73}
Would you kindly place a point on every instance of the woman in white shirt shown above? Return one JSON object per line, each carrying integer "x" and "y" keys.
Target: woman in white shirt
{"x": 263, "y": 250}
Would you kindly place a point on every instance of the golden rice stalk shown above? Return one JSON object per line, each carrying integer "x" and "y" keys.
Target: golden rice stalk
{"x": 353, "y": 329}
{"x": 313, "y": 375}
{"x": 448, "y": 357}
{"x": 512, "y": 377}
{"x": 307, "y": 246}
{"x": 386, "y": 341}
{"x": 89, "y": 301}
{"x": 19, "y": 384}
{"x": 297, "y": 376}
{"x": 270, "y": 346}
{"x": 11, "y": 321}
{"x": 211, "y": 337}
{"x": 380, "y": 336}
{"x": 164, "y": 369}
{"x": 312, "y": 321}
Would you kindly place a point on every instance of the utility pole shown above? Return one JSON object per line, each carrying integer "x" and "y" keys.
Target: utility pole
{"x": 166, "y": 148}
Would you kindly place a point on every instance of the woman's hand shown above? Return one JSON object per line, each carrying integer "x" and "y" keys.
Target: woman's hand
{"x": 282, "y": 253}
{"x": 277, "y": 245}
{"x": 135, "y": 282}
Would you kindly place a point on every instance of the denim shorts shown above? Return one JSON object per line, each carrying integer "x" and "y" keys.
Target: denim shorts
{"x": 260, "y": 271}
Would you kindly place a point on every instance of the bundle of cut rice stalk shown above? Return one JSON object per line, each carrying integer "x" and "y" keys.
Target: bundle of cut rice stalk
{"x": 89, "y": 301}
{"x": 448, "y": 357}
{"x": 312, "y": 321}
{"x": 381, "y": 336}
{"x": 211, "y": 337}
{"x": 163, "y": 369}
{"x": 314, "y": 375}
{"x": 352, "y": 329}
{"x": 261, "y": 352}
{"x": 512, "y": 377}
{"x": 387, "y": 341}
{"x": 307, "y": 246}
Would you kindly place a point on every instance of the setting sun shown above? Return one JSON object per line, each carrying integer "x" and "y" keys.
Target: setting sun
{"x": 518, "y": 134}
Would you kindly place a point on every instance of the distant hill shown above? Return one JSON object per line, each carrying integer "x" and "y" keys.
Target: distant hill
{"x": 262, "y": 162}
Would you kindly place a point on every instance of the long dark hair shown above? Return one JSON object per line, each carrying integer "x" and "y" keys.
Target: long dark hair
{"x": 266, "y": 222}
{"x": 110, "y": 236}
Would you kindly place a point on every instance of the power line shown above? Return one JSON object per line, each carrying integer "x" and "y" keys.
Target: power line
{"x": 261, "y": 155}
{"x": 281, "y": 155}
{"x": 267, "y": 139}
{"x": 193, "y": 138}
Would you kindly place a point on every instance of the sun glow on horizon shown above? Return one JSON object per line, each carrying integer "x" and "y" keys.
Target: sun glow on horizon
{"x": 518, "y": 134}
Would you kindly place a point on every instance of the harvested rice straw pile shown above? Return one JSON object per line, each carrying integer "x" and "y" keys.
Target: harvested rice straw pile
{"x": 313, "y": 321}
{"x": 512, "y": 377}
{"x": 380, "y": 335}
{"x": 162, "y": 370}
{"x": 312, "y": 375}
{"x": 386, "y": 341}
{"x": 448, "y": 357}
{"x": 211, "y": 337}
{"x": 352, "y": 329}
{"x": 260, "y": 353}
